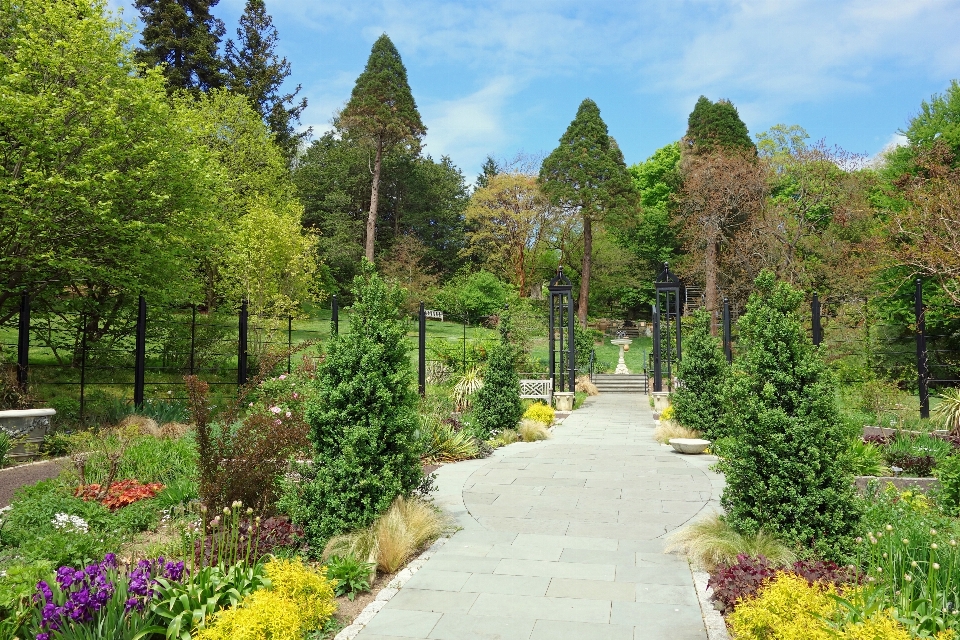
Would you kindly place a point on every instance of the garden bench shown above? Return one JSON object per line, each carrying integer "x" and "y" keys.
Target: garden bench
{"x": 433, "y": 314}
{"x": 537, "y": 390}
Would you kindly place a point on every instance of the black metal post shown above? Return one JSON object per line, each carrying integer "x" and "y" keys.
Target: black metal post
{"x": 727, "y": 337}
{"x": 23, "y": 341}
{"x": 678, "y": 307}
{"x": 193, "y": 338}
{"x": 140, "y": 355}
{"x": 571, "y": 351}
{"x": 669, "y": 369}
{"x": 242, "y": 347}
{"x": 923, "y": 370}
{"x": 289, "y": 342}
{"x": 816, "y": 327}
{"x": 552, "y": 357}
{"x": 657, "y": 375}
{"x": 422, "y": 351}
{"x": 83, "y": 366}
{"x": 335, "y": 315}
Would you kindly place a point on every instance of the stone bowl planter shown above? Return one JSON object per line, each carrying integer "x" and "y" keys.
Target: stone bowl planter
{"x": 689, "y": 445}
{"x": 28, "y": 427}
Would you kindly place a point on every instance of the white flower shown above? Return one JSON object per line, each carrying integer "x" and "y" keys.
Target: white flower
{"x": 66, "y": 522}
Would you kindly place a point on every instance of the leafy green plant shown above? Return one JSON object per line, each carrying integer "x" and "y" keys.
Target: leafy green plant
{"x": 5, "y": 446}
{"x": 352, "y": 575}
{"x": 469, "y": 383}
{"x": 948, "y": 473}
{"x": 947, "y": 413}
{"x": 441, "y": 443}
{"x": 697, "y": 402}
{"x": 919, "y": 445}
{"x": 789, "y": 473}
{"x": 363, "y": 421}
{"x": 866, "y": 459}
{"x": 498, "y": 405}
{"x": 185, "y": 606}
{"x": 147, "y": 459}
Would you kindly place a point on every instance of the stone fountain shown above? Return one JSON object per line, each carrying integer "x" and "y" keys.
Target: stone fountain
{"x": 623, "y": 343}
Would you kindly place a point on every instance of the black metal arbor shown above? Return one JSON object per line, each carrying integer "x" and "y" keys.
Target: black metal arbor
{"x": 667, "y": 310}
{"x": 563, "y": 357}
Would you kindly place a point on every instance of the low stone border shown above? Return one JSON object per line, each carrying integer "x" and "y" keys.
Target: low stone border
{"x": 924, "y": 485}
{"x": 712, "y": 619}
{"x": 392, "y": 588}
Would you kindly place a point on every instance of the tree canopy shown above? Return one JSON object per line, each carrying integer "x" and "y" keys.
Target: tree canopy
{"x": 253, "y": 69}
{"x": 182, "y": 36}
{"x": 383, "y": 114}
{"x": 716, "y": 126}
{"x": 587, "y": 177}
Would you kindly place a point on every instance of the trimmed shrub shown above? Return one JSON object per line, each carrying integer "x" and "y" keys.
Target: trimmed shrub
{"x": 363, "y": 420}
{"x": 697, "y": 402}
{"x": 790, "y": 472}
{"x": 497, "y": 404}
{"x": 540, "y": 412}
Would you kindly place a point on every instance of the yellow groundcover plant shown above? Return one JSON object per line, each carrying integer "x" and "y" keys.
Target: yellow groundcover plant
{"x": 667, "y": 414}
{"x": 789, "y": 608}
{"x": 540, "y": 412}
{"x": 300, "y": 599}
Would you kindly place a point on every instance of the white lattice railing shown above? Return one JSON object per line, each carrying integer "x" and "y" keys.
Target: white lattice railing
{"x": 537, "y": 389}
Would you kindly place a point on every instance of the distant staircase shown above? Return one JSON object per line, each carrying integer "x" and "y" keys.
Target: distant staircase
{"x": 613, "y": 383}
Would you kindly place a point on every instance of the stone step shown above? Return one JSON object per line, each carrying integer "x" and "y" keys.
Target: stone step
{"x": 620, "y": 383}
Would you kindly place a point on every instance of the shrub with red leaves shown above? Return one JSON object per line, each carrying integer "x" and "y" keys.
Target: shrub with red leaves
{"x": 878, "y": 440}
{"x": 120, "y": 494}
{"x": 731, "y": 583}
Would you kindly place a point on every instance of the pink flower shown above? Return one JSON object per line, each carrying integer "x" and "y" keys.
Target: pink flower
{"x": 296, "y": 395}
{"x": 289, "y": 414}
{"x": 283, "y": 377}
{"x": 278, "y": 421}
{"x": 276, "y": 409}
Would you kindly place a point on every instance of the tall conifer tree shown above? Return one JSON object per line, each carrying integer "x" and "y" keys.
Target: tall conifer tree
{"x": 586, "y": 176}
{"x": 254, "y": 69}
{"x": 382, "y": 113}
{"x": 184, "y": 35}
{"x": 716, "y": 126}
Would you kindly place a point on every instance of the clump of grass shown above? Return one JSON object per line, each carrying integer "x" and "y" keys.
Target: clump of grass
{"x": 145, "y": 425}
{"x": 667, "y": 430}
{"x": 533, "y": 430}
{"x": 406, "y": 527}
{"x": 585, "y": 386}
{"x": 174, "y": 430}
{"x": 711, "y": 542}
{"x": 505, "y": 437}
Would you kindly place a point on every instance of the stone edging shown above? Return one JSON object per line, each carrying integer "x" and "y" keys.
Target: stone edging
{"x": 34, "y": 463}
{"x": 712, "y": 619}
{"x": 394, "y": 586}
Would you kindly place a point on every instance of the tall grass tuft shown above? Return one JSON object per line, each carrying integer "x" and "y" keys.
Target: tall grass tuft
{"x": 711, "y": 542}
{"x": 667, "y": 430}
{"x": 533, "y": 430}
{"x": 406, "y": 527}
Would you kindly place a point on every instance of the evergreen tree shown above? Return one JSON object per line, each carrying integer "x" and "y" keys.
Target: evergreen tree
{"x": 184, "y": 36}
{"x": 790, "y": 474}
{"x": 382, "y": 113}
{"x": 586, "y": 176}
{"x": 487, "y": 171}
{"x": 498, "y": 405}
{"x": 363, "y": 421}
{"x": 716, "y": 126}
{"x": 702, "y": 372}
{"x": 254, "y": 70}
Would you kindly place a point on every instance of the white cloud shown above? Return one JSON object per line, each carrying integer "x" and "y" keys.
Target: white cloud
{"x": 470, "y": 127}
{"x": 878, "y": 159}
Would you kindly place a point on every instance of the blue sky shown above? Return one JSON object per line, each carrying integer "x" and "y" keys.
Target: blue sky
{"x": 505, "y": 76}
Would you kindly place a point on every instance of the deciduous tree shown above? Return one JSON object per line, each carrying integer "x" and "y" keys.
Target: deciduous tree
{"x": 586, "y": 177}
{"x": 510, "y": 224}
{"x": 382, "y": 113}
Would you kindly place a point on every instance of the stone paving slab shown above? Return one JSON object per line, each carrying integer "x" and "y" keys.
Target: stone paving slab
{"x": 563, "y": 539}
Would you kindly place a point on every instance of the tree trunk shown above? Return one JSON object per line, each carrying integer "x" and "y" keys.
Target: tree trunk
{"x": 374, "y": 201}
{"x": 585, "y": 271}
{"x": 710, "y": 283}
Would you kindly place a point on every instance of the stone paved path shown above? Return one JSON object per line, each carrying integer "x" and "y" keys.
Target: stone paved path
{"x": 562, "y": 539}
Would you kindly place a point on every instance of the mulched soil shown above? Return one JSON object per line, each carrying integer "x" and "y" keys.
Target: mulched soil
{"x": 15, "y": 477}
